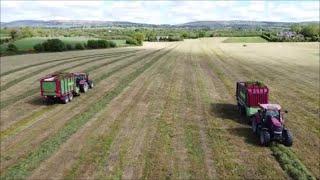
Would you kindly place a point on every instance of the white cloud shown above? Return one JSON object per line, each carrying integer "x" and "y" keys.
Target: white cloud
{"x": 160, "y": 12}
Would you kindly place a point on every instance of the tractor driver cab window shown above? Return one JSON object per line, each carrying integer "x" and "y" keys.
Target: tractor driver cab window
{"x": 80, "y": 77}
{"x": 273, "y": 113}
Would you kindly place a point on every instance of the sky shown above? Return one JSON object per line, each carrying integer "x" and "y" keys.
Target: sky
{"x": 160, "y": 12}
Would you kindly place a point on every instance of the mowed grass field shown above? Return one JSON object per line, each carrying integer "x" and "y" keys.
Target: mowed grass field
{"x": 161, "y": 111}
{"x": 26, "y": 44}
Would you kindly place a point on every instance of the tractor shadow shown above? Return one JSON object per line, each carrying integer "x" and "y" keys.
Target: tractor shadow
{"x": 247, "y": 134}
{"x": 230, "y": 112}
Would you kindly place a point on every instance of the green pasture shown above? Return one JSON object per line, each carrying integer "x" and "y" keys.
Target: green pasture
{"x": 26, "y": 44}
{"x": 245, "y": 40}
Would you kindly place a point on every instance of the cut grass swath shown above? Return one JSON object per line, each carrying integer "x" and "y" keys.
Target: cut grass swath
{"x": 24, "y": 167}
{"x": 15, "y": 81}
{"x": 101, "y": 145}
{"x": 63, "y": 59}
{"x": 290, "y": 163}
{"x": 31, "y": 92}
{"x": 30, "y": 119}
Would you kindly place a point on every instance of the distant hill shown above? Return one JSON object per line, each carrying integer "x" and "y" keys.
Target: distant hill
{"x": 195, "y": 24}
{"x": 71, "y": 23}
{"x": 240, "y": 24}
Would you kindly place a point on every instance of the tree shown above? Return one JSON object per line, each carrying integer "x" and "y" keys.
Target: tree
{"x": 185, "y": 35}
{"x": 54, "y": 45}
{"x": 139, "y": 37}
{"x": 296, "y": 28}
{"x": 132, "y": 41}
{"x": 38, "y": 47}
{"x": 13, "y": 34}
{"x": 26, "y": 32}
{"x": 12, "y": 48}
{"x": 310, "y": 30}
{"x": 79, "y": 46}
{"x": 92, "y": 44}
{"x": 69, "y": 47}
{"x": 201, "y": 34}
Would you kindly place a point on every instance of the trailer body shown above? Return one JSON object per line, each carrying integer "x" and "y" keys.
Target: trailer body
{"x": 58, "y": 86}
{"x": 249, "y": 95}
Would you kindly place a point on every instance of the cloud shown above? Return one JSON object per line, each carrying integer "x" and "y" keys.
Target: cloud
{"x": 161, "y": 12}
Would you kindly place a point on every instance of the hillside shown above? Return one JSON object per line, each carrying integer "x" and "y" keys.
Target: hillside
{"x": 70, "y": 23}
{"x": 195, "y": 24}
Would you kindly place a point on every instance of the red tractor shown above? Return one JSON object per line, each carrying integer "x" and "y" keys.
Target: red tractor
{"x": 268, "y": 124}
{"x": 83, "y": 81}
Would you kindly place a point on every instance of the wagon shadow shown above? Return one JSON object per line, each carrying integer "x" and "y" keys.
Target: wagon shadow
{"x": 39, "y": 101}
{"x": 227, "y": 111}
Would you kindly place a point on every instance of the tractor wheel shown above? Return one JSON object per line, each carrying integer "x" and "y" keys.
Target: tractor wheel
{"x": 65, "y": 100}
{"x": 70, "y": 97}
{"x": 287, "y": 138}
{"x": 264, "y": 138}
{"x": 241, "y": 110}
{"x": 90, "y": 84}
{"x": 254, "y": 126}
{"x": 77, "y": 91}
{"x": 258, "y": 129}
{"x": 84, "y": 88}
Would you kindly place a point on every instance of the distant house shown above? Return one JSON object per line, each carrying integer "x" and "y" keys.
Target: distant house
{"x": 159, "y": 38}
{"x": 287, "y": 34}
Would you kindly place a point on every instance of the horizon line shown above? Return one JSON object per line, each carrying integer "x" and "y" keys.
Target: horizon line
{"x": 160, "y": 24}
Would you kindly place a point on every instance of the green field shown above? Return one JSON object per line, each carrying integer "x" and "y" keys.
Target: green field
{"x": 245, "y": 40}
{"x": 26, "y": 44}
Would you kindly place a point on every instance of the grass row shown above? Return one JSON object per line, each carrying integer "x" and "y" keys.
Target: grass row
{"x": 21, "y": 124}
{"x": 155, "y": 107}
{"x": 192, "y": 129}
{"x": 30, "y": 92}
{"x": 57, "y": 60}
{"x": 156, "y": 159}
{"x": 24, "y": 167}
{"x": 100, "y": 146}
{"x": 285, "y": 157}
{"x": 30, "y": 119}
{"x": 15, "y": 81}
{"x": 223, "y": 151}
{"x": 290, "y": 163}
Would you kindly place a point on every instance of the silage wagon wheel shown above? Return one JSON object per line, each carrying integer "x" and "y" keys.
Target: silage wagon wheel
{"x": 65, "y": 100}
{"x": 70, "y": 97}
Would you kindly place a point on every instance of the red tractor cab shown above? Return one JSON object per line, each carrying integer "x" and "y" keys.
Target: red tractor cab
{"x": 83, "y": 81}
{"x": 268, "y": 124}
